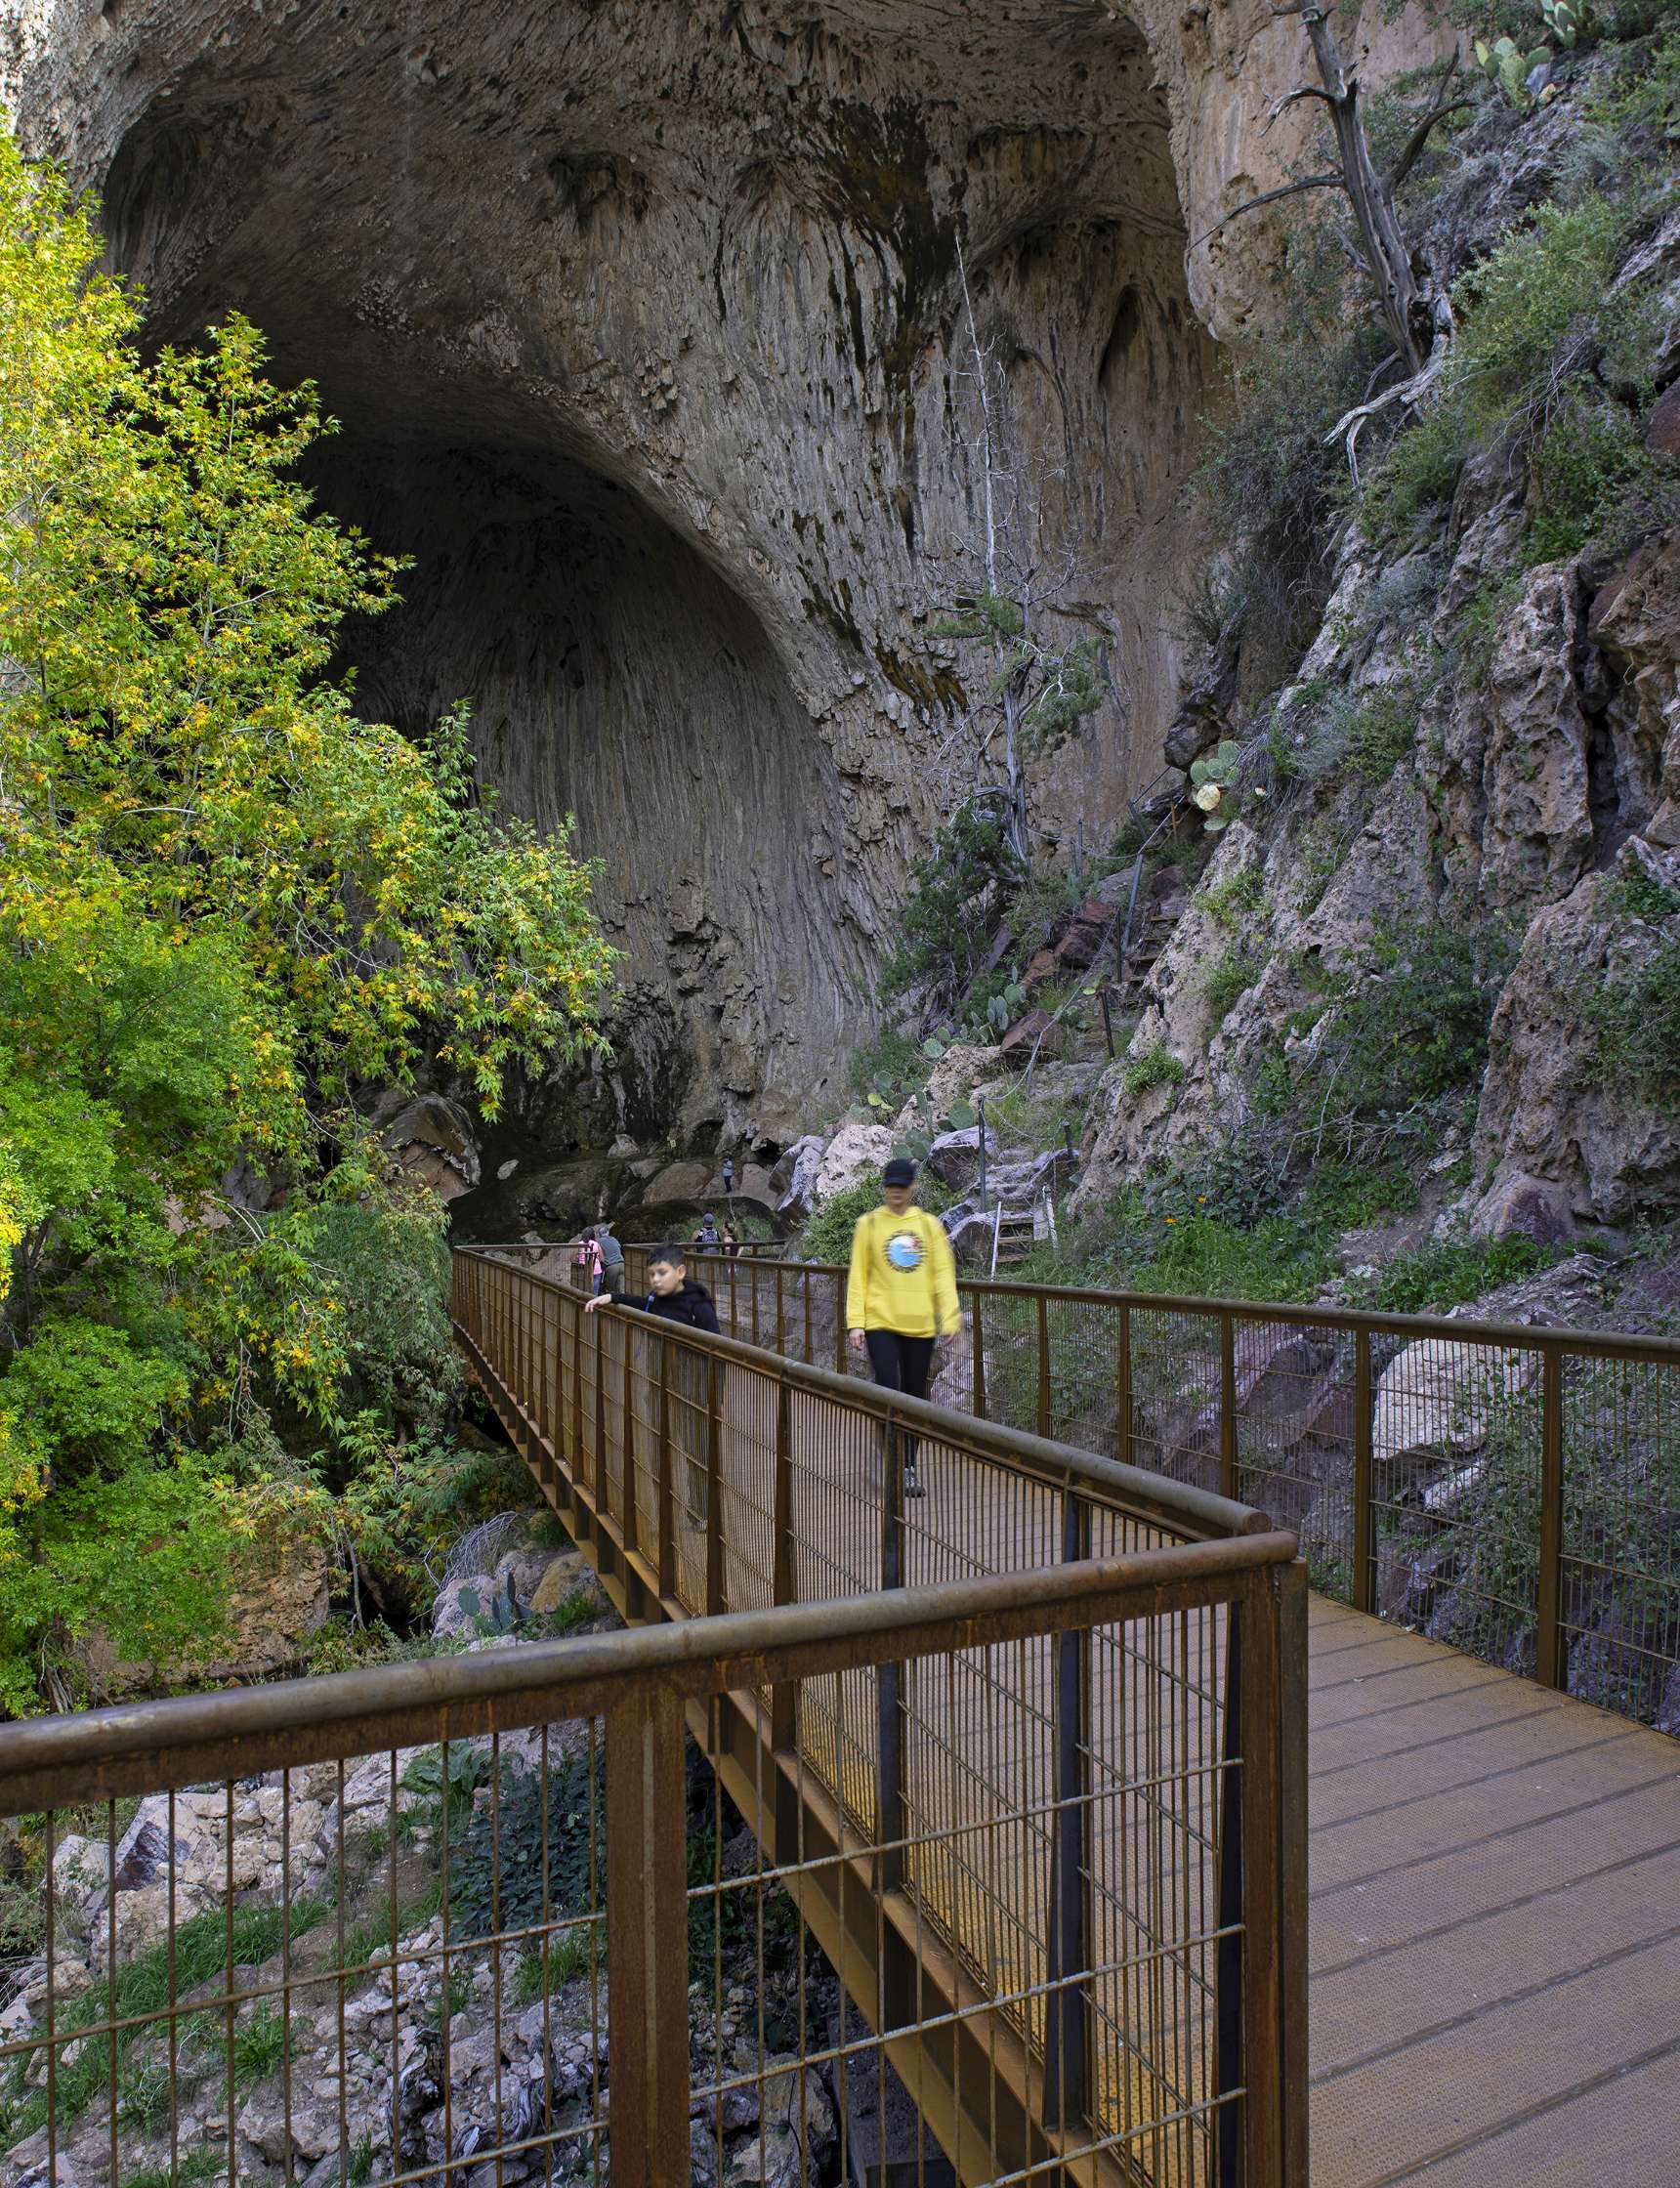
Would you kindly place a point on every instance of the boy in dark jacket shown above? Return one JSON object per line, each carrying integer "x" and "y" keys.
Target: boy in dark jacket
{"x": 673, "y": 1298}
{"x": 670, "y": 1296}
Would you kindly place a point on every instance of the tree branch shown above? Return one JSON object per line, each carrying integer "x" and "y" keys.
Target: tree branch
{"x": 1269, "y": 197}
{"x": 1439, "y": 107}
{"x": 1305, "y": 91}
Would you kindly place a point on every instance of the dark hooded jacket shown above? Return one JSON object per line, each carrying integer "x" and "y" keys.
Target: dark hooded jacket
{"x": 691, "y": 1306}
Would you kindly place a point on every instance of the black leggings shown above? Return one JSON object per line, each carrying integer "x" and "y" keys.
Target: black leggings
{"x": 899, "y": 1363}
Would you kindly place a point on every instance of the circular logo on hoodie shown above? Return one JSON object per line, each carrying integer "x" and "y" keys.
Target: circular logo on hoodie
{"x": 904, "y": 1250}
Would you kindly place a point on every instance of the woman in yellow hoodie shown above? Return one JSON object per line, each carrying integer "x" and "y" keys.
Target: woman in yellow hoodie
{"x": 900, "y": 1294}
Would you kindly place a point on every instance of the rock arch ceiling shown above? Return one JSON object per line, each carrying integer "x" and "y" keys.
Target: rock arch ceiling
{"x": 642, "y": 321}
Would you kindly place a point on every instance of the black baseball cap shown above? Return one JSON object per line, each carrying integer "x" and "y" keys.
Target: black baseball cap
{"x": 901, "y": 1171}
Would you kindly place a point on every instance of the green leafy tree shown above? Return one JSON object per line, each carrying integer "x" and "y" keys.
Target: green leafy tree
{"x": 228, "y": 909}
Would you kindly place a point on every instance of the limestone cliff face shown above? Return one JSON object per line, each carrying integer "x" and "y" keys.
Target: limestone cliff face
{"x": 642, "y": 321}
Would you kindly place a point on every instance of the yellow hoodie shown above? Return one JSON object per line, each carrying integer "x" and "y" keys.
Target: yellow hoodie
{"x": 903, "y": 1276}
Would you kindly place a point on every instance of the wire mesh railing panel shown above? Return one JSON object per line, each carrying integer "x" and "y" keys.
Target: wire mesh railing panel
{"x": 1293, "y": 1387}
{"x": 978, "y": 1799}
{"x": 747, "y": 1455}
{"x": 1155, "y": 1757}
{"x": 1084, "y": 1338}
{"x": 968, "y": 1784}
{"x": 1176, "y": 1381}
{"x": 382, "y": 1965}
{"x": 1619, "y": 1607}
{"x": 1455, "y": 1488}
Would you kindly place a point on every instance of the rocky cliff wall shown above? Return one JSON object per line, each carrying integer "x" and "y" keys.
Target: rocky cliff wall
{"x": 643, "y": 324}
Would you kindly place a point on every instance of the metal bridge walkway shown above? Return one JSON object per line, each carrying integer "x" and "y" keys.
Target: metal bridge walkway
{"x": 1495, "y": 1925}
{"x": 1494, "y": 1922}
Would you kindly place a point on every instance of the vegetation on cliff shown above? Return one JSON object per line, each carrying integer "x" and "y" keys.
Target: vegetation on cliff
{"x": 230, "y": 910}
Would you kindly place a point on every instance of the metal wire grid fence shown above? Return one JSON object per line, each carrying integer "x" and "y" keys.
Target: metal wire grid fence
{"x": 807, "y": 1482}
{"x": 1515, "y": 1491}
{"x": 549, "y": 1949}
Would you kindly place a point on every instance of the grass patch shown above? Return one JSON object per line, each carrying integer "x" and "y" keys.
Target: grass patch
{"x": 1452, "y": 1273}
{"x": 1229, "y": 979}
{"x": 1235, "y": 900}
{"x": 1155, "y": 1067}
{"x": 143, "y": 1992}
{"x": 570, "y": 1956}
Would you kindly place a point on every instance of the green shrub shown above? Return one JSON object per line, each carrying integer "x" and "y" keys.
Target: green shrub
{"x": 827, "y": 1236}
{"x": 1327, "y": 730}
{"x": 1534, "y": 317}
{"x": 1452, "y": 1273}
{"x": 1410, "y": 1015}
{"x": 893, "y": 1061}
{"x": 1636, "y": 1015}
{"x": 1229, "y": 978}
{"x": 532, "y": 1883}
{"x": 945, "y": 927}
{"x": 1229, "y": 903}
{"x": 1155, "y": 1067}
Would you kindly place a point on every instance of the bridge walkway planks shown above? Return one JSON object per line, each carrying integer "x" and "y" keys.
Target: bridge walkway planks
{"x": 1494, "y": 1892}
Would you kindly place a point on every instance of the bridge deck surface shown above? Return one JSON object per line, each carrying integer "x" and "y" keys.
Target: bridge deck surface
{"x": 1495, "y": 1925}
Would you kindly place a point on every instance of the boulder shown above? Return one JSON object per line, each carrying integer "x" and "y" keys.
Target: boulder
{"x": 570, "y": 1572}
{"x": 1034, "y": 1033}
{"x": 794, "y": 1179}
{"x": 678, "y": 1181}
{"x": 1440, "y": 1397}
{"x": 433, "y": 1137}
{"x": 1554, "y": 1140}
{"x": 857, "y": 1151}
{"x": 1519, "y": 1206}
{"x": 954, "y": 1156}
{"x": 1079, "y": 949}
{"x": 963, "y": 1067}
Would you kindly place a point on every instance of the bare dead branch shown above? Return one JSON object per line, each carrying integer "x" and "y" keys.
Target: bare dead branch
{"x": 1439, "y": 109}
{"x": 1303, "y": 91}
{"x": 1348, "y": 428}
{"x": 1269, "y": 197}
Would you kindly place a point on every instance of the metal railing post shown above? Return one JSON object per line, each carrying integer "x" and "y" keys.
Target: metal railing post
{"x": 1229, "y": 1954}
{"x": 979, "y": 1336}
{"x": 648, "y": 1937}
{"x": 714, "y": 1487}
{"x": 667, "y": 1502}
{"x": 627, "y": 1441}
{"x": 1123, "y": 1387}
{"x": 1260, "y": 2014}
{"x": 1043, "y": 1365}
{"x": 784, "y": 1588}
{"x": 1549, "y": 1664}
{"x": 1228, "y": 1461}
{"x": 600, "y": 1482}
{"x": 1068, "y": 1956}
{"x": 889, "y": 1677}
{"x": 1364, "y": 1504}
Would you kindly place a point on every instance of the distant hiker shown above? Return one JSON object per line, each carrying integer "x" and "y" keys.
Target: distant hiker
{"x": 611, "y": 1256}
{"x": 589, "y": 1260}
{"x": 707, "y": 1235}
{"x": 900, "y": 1292}
{"x": 732, "y": 1242}
{"x": 674, "y": 1297}
{"x": 671, "y": 1293}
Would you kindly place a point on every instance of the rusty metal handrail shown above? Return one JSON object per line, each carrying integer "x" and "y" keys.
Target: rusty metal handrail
{"x": 177, "y": 1740}
{"x": 1576, "y": 1556}
{"x": 589, "y": 1400}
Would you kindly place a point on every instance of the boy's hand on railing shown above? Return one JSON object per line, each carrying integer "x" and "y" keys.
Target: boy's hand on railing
{"x": 598, "y": 1299}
